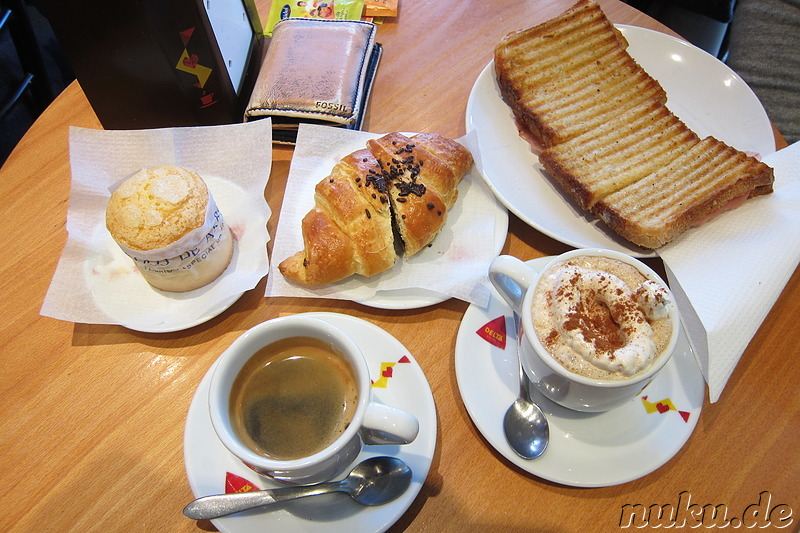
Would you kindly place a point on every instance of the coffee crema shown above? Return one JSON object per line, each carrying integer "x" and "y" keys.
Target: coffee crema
{"x": 601, "y": 318}
{"x": 293, "y": 398}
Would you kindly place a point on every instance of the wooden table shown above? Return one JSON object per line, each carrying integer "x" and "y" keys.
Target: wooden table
{"x": 93, "y": 415}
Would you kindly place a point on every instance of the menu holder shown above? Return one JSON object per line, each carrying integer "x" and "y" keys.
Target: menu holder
{"x": 315, "y": 71}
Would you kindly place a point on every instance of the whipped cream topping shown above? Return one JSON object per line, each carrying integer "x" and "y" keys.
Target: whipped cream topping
{"x": 653, "y": 299}
{"x": 595, "y": 318}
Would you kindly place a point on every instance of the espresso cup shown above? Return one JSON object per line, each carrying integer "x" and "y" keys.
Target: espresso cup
{"x": 581, "y": 388}
{"x": 280, "y": 419}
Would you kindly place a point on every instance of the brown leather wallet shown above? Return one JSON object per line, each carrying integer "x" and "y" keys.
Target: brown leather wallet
{"x": 317, "y": 71}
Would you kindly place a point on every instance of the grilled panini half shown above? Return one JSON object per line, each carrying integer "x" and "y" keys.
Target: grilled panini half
{"x": 707, "y": 179}
{"x": 570, "y": 74}
{"x": 618, "y": 153}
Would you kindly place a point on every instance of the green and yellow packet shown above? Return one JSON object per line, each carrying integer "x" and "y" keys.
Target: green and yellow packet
{"x": 331, "y": 9}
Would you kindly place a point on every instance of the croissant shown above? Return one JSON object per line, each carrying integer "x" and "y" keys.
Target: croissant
{"x": 398, "y": 184}
{"x": 429, "y": 167}
{"x": 348, "y": 231}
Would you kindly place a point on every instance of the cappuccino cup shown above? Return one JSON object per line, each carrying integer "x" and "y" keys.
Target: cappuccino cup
{"x": 596, "y": 325}
{"x": 292, "y": 399}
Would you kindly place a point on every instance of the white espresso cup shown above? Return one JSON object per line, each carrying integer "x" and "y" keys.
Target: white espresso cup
{"x": 516, "y": 282}
{"x": 372, "y": 422}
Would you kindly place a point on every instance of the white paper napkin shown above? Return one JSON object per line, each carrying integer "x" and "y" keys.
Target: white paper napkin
{"x": 96, "y": 283}
{"x": 727, "y": 273}
{"x": 457, "y": 263}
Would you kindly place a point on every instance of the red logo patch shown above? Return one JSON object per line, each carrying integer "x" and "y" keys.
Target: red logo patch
{"x": 192, "y": 61}
{"x": 663, "y": 406}
{"x": 494, "y": 332}
{"x": 234, "y": 483}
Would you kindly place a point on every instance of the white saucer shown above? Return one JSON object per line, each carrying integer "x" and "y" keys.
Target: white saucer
{"x": 109, "y": 273}
{"x": 414, "y": 298}
{"x": 208, "y": 462}
{"x": 586, "y": 449}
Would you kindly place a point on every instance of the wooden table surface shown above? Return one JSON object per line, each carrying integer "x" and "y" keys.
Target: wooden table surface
{"x": 91, "y": 437}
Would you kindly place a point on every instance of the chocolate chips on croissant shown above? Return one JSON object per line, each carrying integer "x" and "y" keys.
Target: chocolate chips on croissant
{"x": 396, "y": 192}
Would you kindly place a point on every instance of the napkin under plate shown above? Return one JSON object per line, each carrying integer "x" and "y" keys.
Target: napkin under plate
{"x": 727, "y": 273}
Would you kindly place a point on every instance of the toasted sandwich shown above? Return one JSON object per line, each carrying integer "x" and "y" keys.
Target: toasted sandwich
{"x": 705, "y": 180}
{"x": 608, "y": 138}
{"x": 617, "y": 153}
{"x": 551, "y": 74}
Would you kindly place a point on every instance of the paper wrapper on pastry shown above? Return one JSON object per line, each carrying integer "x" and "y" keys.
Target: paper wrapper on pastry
{"x": 165, "y": 219}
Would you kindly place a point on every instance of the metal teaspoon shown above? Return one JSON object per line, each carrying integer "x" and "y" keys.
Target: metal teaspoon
{"x": 524, "y": 424}
{"x": 374, "y": 481}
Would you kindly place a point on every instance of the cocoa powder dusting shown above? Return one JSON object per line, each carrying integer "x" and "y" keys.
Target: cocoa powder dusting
{"x": 551, "y": 338}
{"x": 596, "y": 324}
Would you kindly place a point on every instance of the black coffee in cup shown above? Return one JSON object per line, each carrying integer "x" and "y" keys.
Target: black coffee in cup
{"x": 293, "y": 398}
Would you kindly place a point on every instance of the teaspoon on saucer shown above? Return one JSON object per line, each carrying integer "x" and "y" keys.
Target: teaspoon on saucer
{"x": 374, "y": 481}
{"x": 524, "y": 424}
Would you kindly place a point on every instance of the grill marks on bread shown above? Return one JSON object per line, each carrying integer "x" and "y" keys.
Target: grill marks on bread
{"x": 618, "y": 153}
{"x": 550, "y": 74}
{"x": 688, "y": 191}
{"x": 608, "y": 138}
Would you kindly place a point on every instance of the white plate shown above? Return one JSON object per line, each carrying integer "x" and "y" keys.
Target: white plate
{"x": 208, "y": 461}
{"x": 418, "y": 298}
{"x": 586, "y": 449}
{"x": 320, "y": 149}
{"x": 707, "y": 95}
{"x": 110, "y": 273}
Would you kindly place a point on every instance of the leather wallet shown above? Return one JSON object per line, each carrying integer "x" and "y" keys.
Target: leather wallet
{"x": 316, "y": 71}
